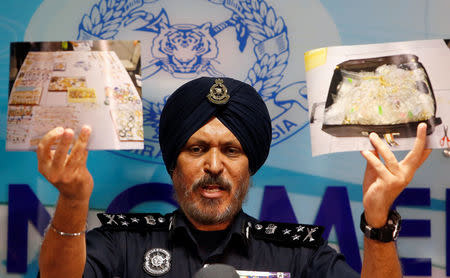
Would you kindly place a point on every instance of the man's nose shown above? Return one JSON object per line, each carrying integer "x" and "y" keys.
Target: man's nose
{"x": 214, "y": 162}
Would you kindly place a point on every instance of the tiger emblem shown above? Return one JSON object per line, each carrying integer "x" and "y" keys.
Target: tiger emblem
{"x": 184, "y": 49}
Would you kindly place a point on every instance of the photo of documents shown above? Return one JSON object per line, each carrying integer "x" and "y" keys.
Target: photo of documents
{"x": 71, "y": 84}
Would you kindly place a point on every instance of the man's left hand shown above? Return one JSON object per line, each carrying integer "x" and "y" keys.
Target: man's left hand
{"x": 383, "y": 182}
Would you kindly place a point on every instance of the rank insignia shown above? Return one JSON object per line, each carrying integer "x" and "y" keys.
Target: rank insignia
{"x": 218, "y": 93}
{"x": 157, "y": 261}
{"x": 288, "y": 234}
{"x": 270, "y": 229}
{"x": 135, "y": 221}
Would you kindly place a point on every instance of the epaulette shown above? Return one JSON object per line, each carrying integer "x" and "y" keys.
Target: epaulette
{"x": 287, "y": 234}
{"x": 135, "y": 221}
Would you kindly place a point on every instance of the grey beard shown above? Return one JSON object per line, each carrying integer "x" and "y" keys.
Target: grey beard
{"x": 206, "y": 211}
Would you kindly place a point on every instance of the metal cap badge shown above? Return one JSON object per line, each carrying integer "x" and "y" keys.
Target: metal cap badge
{"x": 157, "y": 261}
{"x": 218, "y": 93}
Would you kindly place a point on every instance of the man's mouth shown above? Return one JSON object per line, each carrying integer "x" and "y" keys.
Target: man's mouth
{"x": 212, "y": 191}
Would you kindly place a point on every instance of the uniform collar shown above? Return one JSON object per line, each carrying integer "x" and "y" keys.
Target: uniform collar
{"x": 238, "y": 234}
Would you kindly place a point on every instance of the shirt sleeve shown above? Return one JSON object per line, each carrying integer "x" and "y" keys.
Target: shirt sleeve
{"x": 103, "y": 254}
{"x": 326, "y": 262}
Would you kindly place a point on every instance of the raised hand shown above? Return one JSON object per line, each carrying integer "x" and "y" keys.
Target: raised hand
{"x": 383, "y": 182}
{"x": 66, "y": 171}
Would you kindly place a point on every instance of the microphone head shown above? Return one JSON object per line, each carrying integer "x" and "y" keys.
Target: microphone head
{"x": 217, "y": 271}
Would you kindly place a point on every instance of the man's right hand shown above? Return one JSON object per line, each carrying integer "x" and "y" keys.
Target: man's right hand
{"x": 62, "y": 255}
{"x": 67, "y": 172}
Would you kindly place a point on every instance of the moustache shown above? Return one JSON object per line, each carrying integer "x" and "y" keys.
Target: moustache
{"x": 207, "y": 180}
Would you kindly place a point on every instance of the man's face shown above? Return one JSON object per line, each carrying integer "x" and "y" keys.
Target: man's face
{"x": 211, "y": 177}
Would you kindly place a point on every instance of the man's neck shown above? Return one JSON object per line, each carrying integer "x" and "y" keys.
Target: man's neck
{"x": 213, "y": 227}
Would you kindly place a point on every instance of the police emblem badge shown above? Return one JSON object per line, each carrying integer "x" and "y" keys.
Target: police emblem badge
{"x": 157, "y": 261}
{"x": 218, "y": 94}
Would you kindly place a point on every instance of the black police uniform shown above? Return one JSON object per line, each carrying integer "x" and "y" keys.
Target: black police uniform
{"x": 146, "y": 245}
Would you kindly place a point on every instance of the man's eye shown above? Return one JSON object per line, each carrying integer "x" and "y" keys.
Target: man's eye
{"x": 232, "y": 151}
{"x": 196, "y": 149}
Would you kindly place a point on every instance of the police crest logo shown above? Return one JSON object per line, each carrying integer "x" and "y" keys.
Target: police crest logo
{"x": 179, "y": 49}
{"x": 218, "y": 94}
{"x": 157, "y": 261}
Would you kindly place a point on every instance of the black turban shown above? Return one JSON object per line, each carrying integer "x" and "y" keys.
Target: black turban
{"x": 244, "y": 114}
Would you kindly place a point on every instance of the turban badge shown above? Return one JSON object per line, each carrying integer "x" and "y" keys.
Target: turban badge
{"x": 218, "y": 93}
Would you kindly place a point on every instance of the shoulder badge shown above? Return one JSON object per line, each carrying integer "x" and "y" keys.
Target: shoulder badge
{"x": 218, "y": 93}
{"x": 136, "y": 221}
{"x": 295, "y": 235}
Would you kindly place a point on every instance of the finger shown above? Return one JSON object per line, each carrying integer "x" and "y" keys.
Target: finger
{"x": 374, "y": 152}
{"x": 368, "y": 174}
{"x": 79, "y": 153}
{"x": 417, "y": 155}
{"x": 374, "y": 162}
{"x": 44, "y": 147}
{"x": 85, "y": 156}
{"x": 384, "y": 151}
{"x": 62, "y": 150}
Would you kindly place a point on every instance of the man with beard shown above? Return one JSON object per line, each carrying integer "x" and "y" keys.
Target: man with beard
{"x": 214, "y": 135}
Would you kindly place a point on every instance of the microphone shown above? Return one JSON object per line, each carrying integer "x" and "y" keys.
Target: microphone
{"x": 217, "y": 271}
